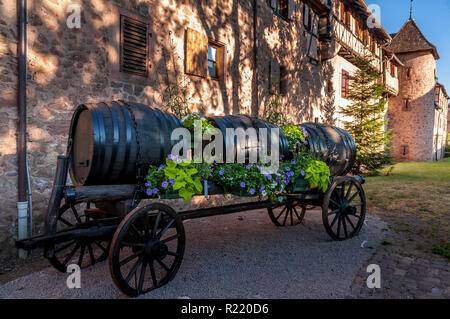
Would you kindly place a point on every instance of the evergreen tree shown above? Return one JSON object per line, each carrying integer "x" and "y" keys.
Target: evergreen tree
{"x": 367, "y": 124}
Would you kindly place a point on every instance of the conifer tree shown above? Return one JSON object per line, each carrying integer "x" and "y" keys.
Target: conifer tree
{"x": 366, "y": 121}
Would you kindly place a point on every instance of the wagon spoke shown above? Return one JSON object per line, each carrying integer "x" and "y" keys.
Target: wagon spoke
{"x": 72, "y": 253}
{"x": 334, "y": 220}
{"x": 285, "y": 217}
{"x": 133, "y": 270}
{"x": 136, "y": 232}
{"x": 130, "y": 258}
{"x": 171, "y": 253}
{"x": 349, "y": 191}
{"x": 142, "y": 276}
{"x": 155, "y": 227}
{"x": 152, "y": 272}
{"x": 91, "y": 254}
{"x": 100, "y": 246}
{"x": 162, "y": 231}
{"x": 282, "y": 211}
{"x": 296, "y": 213}
{"x": 334, "y": 212}
{"x": 146, "y": 225}
{"x": 334, "y": 202}
{"x": 163, "y": 264}
{"x": 65, "y": 246}
{"x": 354, "y": 196}
{"x": 80, "y": 259}
{"x": 170, "y": 238}
{"x": 344, "y": 224}
{"x": 75, "y": 213}
{"x": 350, "y": 222}
{"x": 65, "y": 221}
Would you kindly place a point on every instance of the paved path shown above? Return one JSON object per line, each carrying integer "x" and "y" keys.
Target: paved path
{"x": 236, "y": 256}
{"x": 405, "y": 278}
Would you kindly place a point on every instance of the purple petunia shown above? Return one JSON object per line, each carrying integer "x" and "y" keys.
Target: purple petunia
{"x": 179, "y": 161}
{"x": 262, "y": 188}
{"x": 288, "y": 169}
{"x": 164, "y": 184}
{"x": 171, "y": 157}
{"x": 306, "y": 142}
{"x": 172, "y": 181}
{"x": 160, "y": 168}
{"x": 294, "y": 163}
{"x": 242, "y": 184}
{"x": 252, "y": 191}
{"x": 302, "y": 172}
{"x": 291, "y": 174}
{"x": 148, "y": 184}
{"x": 149, "y": 192}
{"x": 269, "y": 177}
{"x": 221, "y": 172}
{"x": 155, "y": 191}
{"x": 249, "y": 167}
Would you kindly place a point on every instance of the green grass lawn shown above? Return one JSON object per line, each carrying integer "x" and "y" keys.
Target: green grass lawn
{"x": 414, "y": 199}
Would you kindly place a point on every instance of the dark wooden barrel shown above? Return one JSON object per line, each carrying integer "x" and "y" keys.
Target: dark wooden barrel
{"x": 245, "y": 122}
{"x": 104, "y": 145}
{"x": 333, "y": 145}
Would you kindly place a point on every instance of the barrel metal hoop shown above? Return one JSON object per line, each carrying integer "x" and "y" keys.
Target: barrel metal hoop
{"x": 138, "y": 144}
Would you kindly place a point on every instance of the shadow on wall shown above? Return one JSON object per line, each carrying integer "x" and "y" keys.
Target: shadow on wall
{"x": 68, "y": 67}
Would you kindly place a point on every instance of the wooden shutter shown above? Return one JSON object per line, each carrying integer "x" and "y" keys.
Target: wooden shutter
{"x": 134, "y": 46}
{"x": 196, "y": 60}
{"x": 291, "y": 9}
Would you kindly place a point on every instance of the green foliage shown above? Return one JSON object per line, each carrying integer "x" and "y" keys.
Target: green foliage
{"x": 318, "y": 175}
{"x": 296, "y": 138}
{"x": 177, "y": 175}
{"x": 189, "y": 123}
{"x": 274, "y": 110}
{"x": 366, "y": 110}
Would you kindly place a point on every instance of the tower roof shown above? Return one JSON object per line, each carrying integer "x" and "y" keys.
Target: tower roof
{"x": 411, "y": 39}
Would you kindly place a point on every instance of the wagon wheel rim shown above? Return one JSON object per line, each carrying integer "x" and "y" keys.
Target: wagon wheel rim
{"x": 147, "y": 249}
{"x": 291, "y": 214}
{"x": 83, "y": 252}
{"x": 344, "y": 209}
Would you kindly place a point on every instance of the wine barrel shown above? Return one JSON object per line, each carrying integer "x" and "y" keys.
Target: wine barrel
{"x": 246, "y": 122}
{"x": 333, "y": 145}
{"x": 104, "y": 141}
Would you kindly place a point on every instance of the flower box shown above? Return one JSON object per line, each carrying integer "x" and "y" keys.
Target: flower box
{"x": 299, "y": 185}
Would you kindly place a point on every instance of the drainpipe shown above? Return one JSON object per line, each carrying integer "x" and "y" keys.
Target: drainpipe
{"x": 255, "y": 59}
{"x": 22, "y": 204}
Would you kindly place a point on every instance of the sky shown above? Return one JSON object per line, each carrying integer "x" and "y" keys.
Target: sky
{"x": 433, "y": 19}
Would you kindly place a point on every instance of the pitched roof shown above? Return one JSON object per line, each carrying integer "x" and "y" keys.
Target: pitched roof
{"x": 411, "y": 39}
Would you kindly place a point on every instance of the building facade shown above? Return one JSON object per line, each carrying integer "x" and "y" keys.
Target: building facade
{"x": 418, "y": 115}
{"x": 218, "y": 56}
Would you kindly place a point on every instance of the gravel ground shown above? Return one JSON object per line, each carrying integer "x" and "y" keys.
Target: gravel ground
{"x": 236, "y": 256}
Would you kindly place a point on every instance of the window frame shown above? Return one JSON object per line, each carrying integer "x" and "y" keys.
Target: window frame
{"x": 218, "y": 63}
{"x": 122, "y": 17}
{"x": 307, "y": 17}
{"x": 345, "y": 84}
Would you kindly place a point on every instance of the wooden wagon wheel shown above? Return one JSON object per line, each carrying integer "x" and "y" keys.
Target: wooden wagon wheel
{"x": 147, "y": 249}
{"x": 291, "y": 213}
{"x": 84, "y": 252}
{"x": 344, "y": 208}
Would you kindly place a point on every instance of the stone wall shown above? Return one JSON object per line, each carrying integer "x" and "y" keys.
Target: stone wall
{"x": 413, "y": 128}
{"x": 68, "y": 67}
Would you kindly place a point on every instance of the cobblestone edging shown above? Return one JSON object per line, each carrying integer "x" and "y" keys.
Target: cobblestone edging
{"x": 404, "y": 278}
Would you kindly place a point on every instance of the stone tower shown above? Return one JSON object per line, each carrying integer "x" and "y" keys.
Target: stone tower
{"x": 413, "y": 112}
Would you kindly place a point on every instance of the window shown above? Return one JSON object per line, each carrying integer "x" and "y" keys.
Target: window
{"x": 283, "y": 8}
{"x": 307, "y": 17}
{"x": 393, "y": 70}
{"x": 133, "y": 46}
{"x": 213, "y": 61}
{"x": 405, "y": 150}
{"x": 284, "y": 81}
{"x": 342, "y": 12}
{"x": 406, "y": 105}
{"x": 345, "y": 84}
{"x": 204, "y": 57}
{"x": 408, "y": 73}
